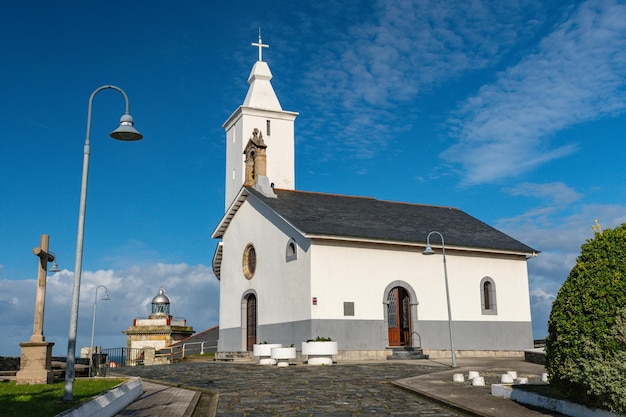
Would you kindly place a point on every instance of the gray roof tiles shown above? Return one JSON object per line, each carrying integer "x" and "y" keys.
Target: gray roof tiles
{"x": 368, "y": 218}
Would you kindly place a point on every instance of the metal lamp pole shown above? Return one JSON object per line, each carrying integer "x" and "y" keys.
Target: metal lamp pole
{"x": 125, "y": 132}
{"x": 429, "y": 251}
{"x": 93, "y": 323}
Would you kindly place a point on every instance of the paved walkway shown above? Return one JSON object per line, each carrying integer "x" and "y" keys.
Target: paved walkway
{"x": 346, "y": 389}
{"x": 162, "y": 401}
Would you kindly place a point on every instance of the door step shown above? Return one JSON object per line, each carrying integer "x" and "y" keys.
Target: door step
{"x": 242, "y": 356}
{"x": 406, "y": 353}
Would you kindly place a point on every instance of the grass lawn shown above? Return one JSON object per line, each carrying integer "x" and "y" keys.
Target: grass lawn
{"x": 46, "y": 400}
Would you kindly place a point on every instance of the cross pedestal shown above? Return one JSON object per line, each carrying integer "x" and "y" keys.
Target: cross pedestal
{"x": 35, "y": 364}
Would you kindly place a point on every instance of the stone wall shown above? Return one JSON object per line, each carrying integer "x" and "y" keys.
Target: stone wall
{"x": 9, "y": 364}
{"x": 13, "y": 364}
{"x": 537, "y": 355}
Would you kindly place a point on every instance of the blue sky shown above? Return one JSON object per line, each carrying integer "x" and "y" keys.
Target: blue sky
{"x": 514, "y": 112}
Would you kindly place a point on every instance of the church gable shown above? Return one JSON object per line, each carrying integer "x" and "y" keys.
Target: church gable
{"x": 249, "y": 198}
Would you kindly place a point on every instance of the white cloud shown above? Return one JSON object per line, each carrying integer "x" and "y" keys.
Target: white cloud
{"x": 404, "y": 48}
{"x": 559, "y": 236}
{"x": 558, "y": 192}
{"x": 193, "y": 291}
{"x": 540, "y": 294}
{"x": 577, "y": 74}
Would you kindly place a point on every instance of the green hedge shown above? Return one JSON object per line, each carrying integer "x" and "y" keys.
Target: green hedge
{"x": 586, "y": 326}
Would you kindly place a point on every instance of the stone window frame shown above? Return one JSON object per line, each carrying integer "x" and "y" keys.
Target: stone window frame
{"x": 291, "y": 250}
{"x": 488, "y": 296}
{"x": 249, "y": 261}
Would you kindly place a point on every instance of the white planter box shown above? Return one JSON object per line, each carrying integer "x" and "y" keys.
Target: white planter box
{"x": 282, "y": 355}
{"x": 319, "y": 353}
{"x": 264, "y": 352}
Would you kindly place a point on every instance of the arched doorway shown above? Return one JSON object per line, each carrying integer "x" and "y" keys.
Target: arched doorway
{"x": 399, "y": 317}
{"x": 251, "y": 321}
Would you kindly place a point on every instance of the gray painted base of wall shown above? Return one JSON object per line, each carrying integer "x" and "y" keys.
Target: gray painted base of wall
{"x": 372, "y": 335}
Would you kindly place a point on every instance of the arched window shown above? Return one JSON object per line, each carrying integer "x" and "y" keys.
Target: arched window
{"x": 291, "y": 251}
{"x": 488, "y": 296}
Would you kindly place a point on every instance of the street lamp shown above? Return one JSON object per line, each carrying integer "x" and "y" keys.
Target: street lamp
{"x": 429, "y": 251}
{"x": 125, "y": 132}
{"x": 55, "y": 266}
{"x": 105, "y": 297}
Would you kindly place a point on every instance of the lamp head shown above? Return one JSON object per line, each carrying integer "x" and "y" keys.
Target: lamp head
{"x": 126, "y": 131}
{"x": 106, "y": 297}
{"x": 54, "y": 267}
{"x": 428, "y": 250}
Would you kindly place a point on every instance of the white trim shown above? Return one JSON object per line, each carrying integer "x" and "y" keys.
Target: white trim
{"x": 313, "y": 236}
{"x": 252, "y": 111}
{"x": 217, "y": 260}
{"x": 230, "y": 213}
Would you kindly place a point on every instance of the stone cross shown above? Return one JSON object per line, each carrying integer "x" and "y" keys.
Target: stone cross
{"x": 44, "y": 258}
{"x": 36, "y": 357}
{"x": 260, "y": 45}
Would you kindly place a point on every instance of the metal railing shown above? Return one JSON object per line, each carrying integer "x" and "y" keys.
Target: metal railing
{"x": 190, "y": 349}
{"x": 179, "y": 352}
{"x": 120, "y": 357}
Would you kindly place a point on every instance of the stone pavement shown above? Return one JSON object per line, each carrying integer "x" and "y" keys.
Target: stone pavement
{"x": 398, "y": 388}
{"x": 162, "y": 401}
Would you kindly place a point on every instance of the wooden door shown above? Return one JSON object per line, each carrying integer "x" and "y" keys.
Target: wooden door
{"x": 399, "y": 317}
{"x": 251, "y": 316}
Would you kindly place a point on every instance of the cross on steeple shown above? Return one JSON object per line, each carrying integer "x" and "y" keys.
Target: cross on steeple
{"x": 261, "y": 46}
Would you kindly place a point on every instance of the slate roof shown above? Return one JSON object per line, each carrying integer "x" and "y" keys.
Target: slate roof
{"x": 318, "y": 214}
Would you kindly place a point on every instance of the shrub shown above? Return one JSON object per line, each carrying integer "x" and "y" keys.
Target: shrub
{"x": 603, "y": 378}
{"x": 320, "y": 339}
{"x": 585, "y": 330}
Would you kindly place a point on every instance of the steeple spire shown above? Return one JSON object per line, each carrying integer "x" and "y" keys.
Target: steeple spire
{"x": 272, "y": 158}
{"x": 260, "y": 45}
{"x": 261, "y": 95}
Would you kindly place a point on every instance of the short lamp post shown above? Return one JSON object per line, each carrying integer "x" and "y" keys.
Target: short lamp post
{"x": 125, "y": 132}
{"x": 105, "y": 297}
{"x": 429, "y": 251}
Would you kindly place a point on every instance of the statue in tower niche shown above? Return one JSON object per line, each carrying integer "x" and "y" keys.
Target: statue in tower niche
{"x": 256, "y": 165}
{"x": 256, "y": 159}
{"x": 257, "y": 137}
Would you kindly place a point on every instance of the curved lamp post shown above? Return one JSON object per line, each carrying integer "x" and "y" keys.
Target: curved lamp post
{"x": 125, "y": 132}
{"x": 429, "y": 251}
{"x": 105, "y": 297}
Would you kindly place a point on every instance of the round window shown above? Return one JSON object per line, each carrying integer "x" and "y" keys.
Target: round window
{"x": 249, "y": 261}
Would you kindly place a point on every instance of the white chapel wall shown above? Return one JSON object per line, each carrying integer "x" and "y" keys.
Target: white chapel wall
{"x": 361, "y": 273}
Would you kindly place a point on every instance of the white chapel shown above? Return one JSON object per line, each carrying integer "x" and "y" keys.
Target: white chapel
{"x": 296, "y": 265}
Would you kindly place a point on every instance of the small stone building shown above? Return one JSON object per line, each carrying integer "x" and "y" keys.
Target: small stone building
{"x": 160, "y": 329}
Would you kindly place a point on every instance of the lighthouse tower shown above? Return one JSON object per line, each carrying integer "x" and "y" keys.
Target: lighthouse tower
{"x": 159, "y": 330}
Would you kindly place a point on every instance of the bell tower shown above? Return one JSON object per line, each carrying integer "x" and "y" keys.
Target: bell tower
{"x": 261, "y": 112}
